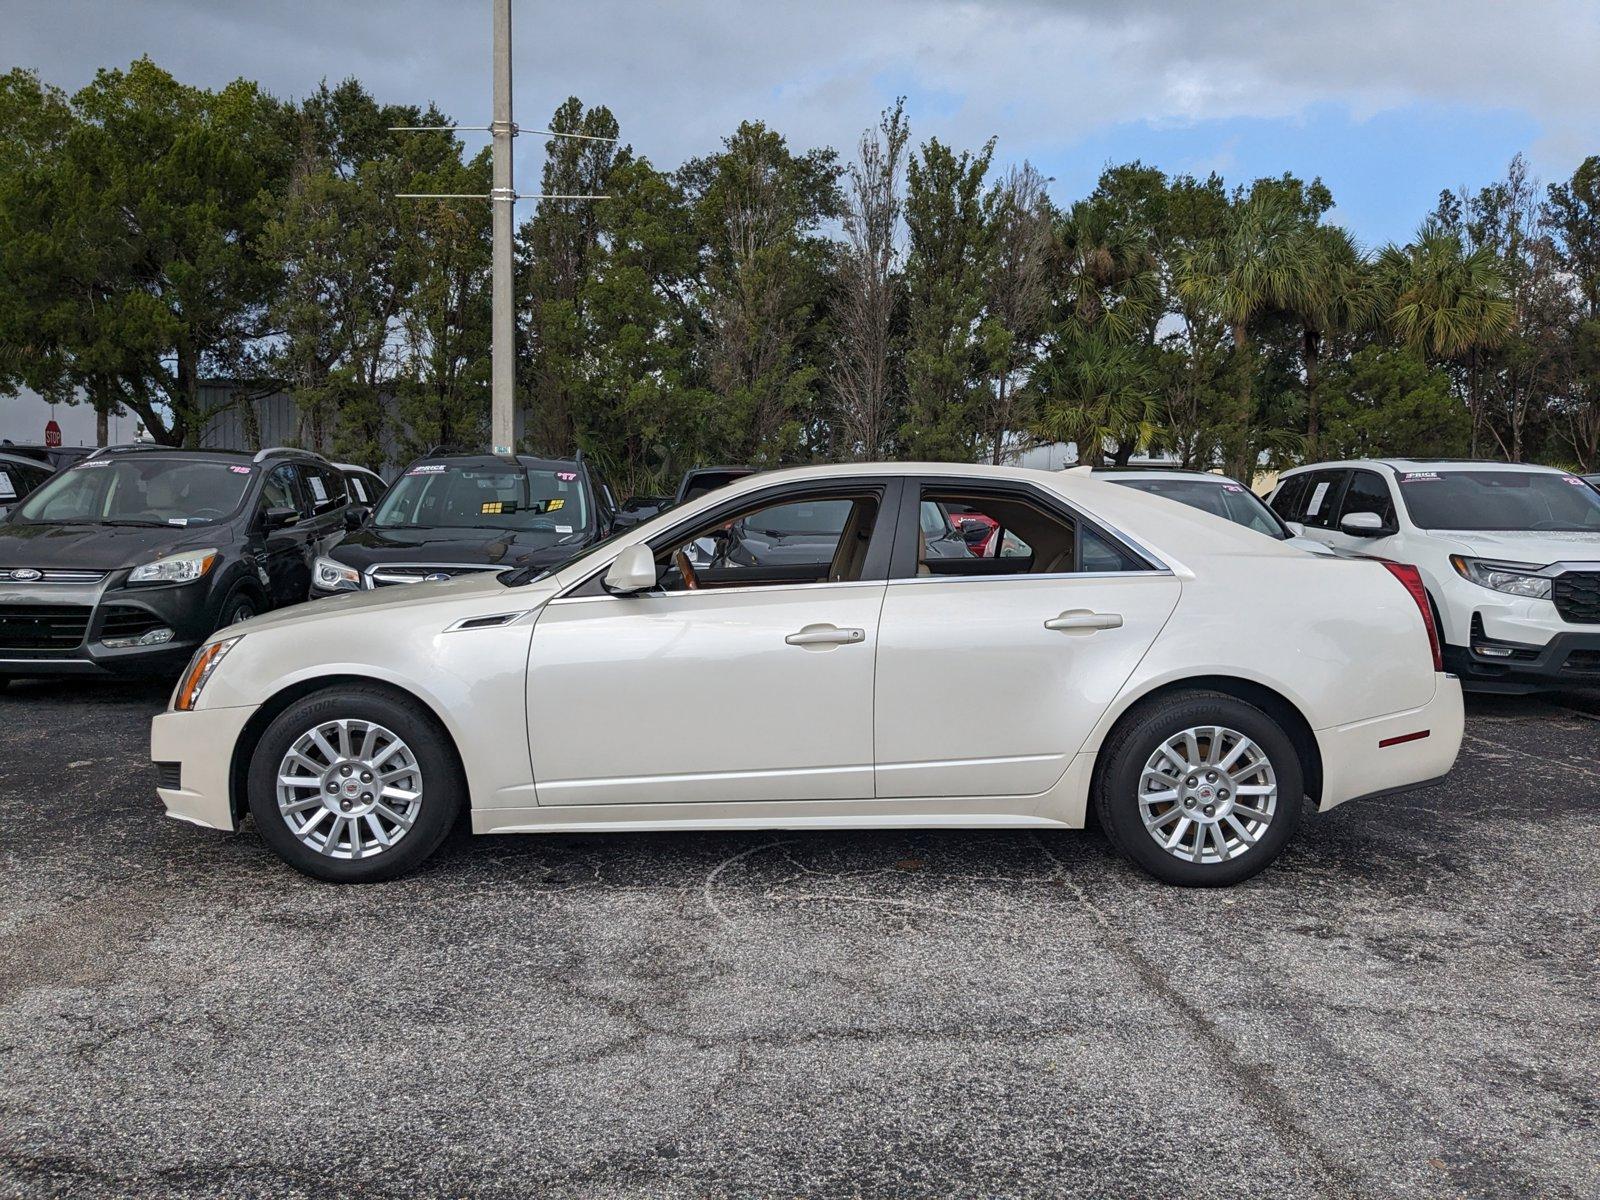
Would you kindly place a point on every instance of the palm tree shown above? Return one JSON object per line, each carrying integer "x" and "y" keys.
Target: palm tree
{"x": 1447, "y": 302}
{"x": 1264, "y": 261}
{"x": 1342, "y": 298}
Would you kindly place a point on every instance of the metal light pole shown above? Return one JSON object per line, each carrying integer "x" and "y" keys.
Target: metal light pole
{"x": 504, "y": 430}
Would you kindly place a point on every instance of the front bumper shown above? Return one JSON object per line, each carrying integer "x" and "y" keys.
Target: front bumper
{"x": 1385, "y": 754}
{"x": 75, "y": 621}
{"x": 195, "y": 751}
{"x": 1567, "y": 660}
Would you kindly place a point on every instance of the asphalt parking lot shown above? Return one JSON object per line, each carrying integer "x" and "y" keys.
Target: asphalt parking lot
{"x": 1406, "y": 1005}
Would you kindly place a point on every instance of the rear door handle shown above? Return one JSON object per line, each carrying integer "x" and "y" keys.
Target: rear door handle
{"x": 826, "y": 635}
{"x": 1081, "y": 620}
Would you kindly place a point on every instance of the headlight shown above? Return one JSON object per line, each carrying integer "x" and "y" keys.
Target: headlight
{"x": 333, "y": 576}
{"x": 1514, "y": 579}
{"x": 201, "y": 667}
{"x": 175, "y": 568}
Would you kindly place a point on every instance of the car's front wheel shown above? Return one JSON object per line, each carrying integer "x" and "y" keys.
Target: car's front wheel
{"x": 1200, "y": 789}
{"x": 354, "y": 785}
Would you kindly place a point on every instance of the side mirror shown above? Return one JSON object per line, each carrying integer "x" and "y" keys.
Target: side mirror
{"x": 279, "y": 518}
{"x": 634, "y": 570}
{"x": 1296, "y": 529}
{"x": 354, "y": 516}
{"x": 1363, "y": 524}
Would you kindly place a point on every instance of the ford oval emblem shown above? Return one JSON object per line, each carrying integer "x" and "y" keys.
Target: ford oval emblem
{"x": 26, "y": 575}
{"x": 436, "y": 577}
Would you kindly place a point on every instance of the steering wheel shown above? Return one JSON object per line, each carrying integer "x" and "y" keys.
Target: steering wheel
{"x": 691, "y": 581}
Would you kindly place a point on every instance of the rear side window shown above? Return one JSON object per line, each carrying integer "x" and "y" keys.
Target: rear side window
{"x": 325, "y": 487}
{"x": 358, "y": 489}
{"x": 1002, "y": 532}
{"x": 1368, "y": 492}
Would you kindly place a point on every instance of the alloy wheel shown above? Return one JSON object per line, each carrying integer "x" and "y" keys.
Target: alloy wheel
{"x": 349, "y": 788}
{"x": 1208, "y": 794}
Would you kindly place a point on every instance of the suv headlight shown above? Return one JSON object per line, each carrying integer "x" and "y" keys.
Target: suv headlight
{"x": 175, "y": 568}
{"x": 332, "y": 576}
{"x": 1515, "y": 579}
{"x": 201, "y": 667}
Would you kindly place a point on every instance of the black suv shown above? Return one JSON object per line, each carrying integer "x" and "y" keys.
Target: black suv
{"x": 450, "y": 514}
{"x": 127, "y": 561}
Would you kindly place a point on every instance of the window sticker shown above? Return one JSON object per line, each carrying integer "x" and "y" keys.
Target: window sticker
{"x": 240, "y": 470}
{"x": 1232, "y": 487}
{"x": 563, "y": 528}
{"x": 497, "y": 508}
{"x": 177, "y": 520}
{"x": 427, "y": 469}
{"x": 555, "y": 504}
{"x": 93, "y": 462}
{"x": 8, "y": 490}
{"x": 566, "y": 476}
{"x": 318, "y": 490}
{"x": 1575, "y": 481}
{"x": 1318, "y": 494}
{"x": 1420, "y": 477}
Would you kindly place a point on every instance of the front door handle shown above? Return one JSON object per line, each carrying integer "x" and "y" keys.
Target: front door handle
{"x": 826, "y": 635}
{"x": 1081, "y": 620}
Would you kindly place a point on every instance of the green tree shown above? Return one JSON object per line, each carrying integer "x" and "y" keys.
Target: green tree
{"x": 1389, "y": 400}
{"x": 947, "y": 263}
{"x": 130, "y": 243}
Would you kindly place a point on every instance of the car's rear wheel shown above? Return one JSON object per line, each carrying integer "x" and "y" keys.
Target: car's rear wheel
{"x": 354, "y": 785}
{"x": 1200, "y": 789}
{"x": 240, "y": 606}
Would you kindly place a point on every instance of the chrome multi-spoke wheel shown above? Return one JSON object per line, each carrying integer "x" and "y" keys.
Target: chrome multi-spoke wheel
{"x": 1208, "y": 794}
{"x": 349, "y": 788}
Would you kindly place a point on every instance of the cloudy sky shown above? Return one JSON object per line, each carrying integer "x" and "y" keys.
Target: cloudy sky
{"x": 1388, "y": 101}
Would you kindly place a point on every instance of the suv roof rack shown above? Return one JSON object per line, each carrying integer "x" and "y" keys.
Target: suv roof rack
{"x": 287, "y": 451}
{"x": 128, "y": 447}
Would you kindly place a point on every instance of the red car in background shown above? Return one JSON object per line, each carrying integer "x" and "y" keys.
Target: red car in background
{"x": 976, "y": 529}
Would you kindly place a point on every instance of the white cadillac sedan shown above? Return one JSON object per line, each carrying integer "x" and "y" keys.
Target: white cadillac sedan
{"x": 823, "y": 668}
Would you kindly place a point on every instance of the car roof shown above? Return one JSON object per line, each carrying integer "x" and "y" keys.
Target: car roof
{"x": 1125, "y": 474}
{"x": 356, "y": 467}
{"x": 1424, "y": 464}
{"x": 24, "y": 460}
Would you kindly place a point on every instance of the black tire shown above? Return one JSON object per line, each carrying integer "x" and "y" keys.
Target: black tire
{"x": 240, "y": 605}
{"x": 443, "y": 784}
{"x": 1137, "y": 739}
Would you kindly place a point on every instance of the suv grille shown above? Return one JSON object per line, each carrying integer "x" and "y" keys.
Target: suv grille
{"x": 394, "y": 573}
{"x": 1577, "y": 596}
{"x": 43, "y": 626}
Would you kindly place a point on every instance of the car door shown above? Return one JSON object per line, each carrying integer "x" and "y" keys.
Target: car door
{"x": 1317, "y": 507}
{"x": 1366, "y": 491}
{"x": 992, "y": 671}
{"x": 756, "y": 685}
{"x": 281, "y": 550}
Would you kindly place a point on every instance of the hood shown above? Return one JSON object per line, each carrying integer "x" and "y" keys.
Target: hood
{"x": 369, "y": 546}
{"x": 480, "y": 591}
{"x": 1541, "y": 547}
{"x": 100, "y": 547}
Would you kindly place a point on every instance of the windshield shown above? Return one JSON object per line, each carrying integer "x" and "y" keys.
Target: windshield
{"x": 1231, "y": 501}
{"x": 506, "y": 497}
{"x": 140, "y": 490}
{"x": 1500, "y": 500}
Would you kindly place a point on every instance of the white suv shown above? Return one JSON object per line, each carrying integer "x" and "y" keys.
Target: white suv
{"x": 1510, "y": 555}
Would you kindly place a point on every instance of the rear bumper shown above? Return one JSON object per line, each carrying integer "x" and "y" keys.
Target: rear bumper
{"x": 197, "y": 747}
{"x": 1386, "y": 754}
{"x": 1567, "y": 660}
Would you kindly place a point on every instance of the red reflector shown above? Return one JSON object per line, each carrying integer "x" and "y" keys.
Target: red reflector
{"x": 1405, "y": 737}
{"x": 1411, "y": 579}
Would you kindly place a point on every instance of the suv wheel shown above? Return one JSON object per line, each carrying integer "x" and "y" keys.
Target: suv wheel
{"x": 1200, "y": 789}
{"x": 354, "y": 785}
{"x": 240, "y": 606}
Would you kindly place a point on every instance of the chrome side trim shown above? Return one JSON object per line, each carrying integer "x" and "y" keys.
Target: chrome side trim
{"x": 487, "y": 621}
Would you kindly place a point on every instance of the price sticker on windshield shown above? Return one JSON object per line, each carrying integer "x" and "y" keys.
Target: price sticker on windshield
{"x": 1574, "y": 481}
{"x": 566, "y": 476}
{"x": 555, "y": 504}
{"x": 497, "y": 508}
{"x": 427, "y": 469}
{"x": 1420, "y": 477}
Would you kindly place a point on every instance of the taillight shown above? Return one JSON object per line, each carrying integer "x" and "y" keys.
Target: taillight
{"x": 1412, "y": 579}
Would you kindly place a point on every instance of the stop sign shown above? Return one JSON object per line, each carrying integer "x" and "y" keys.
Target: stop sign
{"x": 52, "y": 433}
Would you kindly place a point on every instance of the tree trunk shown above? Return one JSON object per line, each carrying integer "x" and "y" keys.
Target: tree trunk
{"x": 1313, "y": 353}
{"x": 1240, "y": 466}
{"x": 102, "y": 425}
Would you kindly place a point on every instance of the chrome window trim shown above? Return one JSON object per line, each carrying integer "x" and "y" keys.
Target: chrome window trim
{"x": 1147, "y": 573}
{"x": 724, "y": 591}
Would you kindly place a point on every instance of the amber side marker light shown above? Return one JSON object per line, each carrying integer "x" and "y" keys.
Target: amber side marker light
{"x": 199, "y": 671}
{"x": 1405, "y": 737}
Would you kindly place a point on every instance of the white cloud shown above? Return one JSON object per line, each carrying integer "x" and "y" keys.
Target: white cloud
{"x": 1040, "y": 73}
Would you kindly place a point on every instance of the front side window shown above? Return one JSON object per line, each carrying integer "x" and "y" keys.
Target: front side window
{"x": 140, "y": 489}
{"x": 1321, "y": 504}
{"x": 279, "y": 491}
{"x": 505, "y": 497}
{"x": 1224, "y": 498}
{"x": 820, "y": 539}
{"x": 1500, "y": 500}
{"x": 1287, "y": 500}
{"x": 1368, "y": 493}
